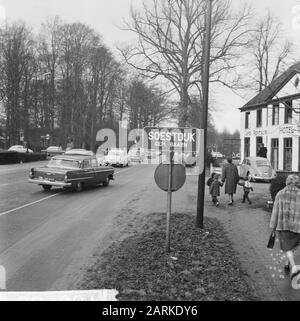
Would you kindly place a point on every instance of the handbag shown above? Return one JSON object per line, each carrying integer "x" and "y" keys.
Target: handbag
{"x": 271, "y": 240}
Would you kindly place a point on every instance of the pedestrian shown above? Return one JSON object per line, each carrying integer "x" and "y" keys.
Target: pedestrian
{"x": 247, "y": 186}
{"x": 285, "y": 220}
{"x": 210, "y": 180}
{"x": 230, "y": 176}
{"x": 214, "y": 189}
{"x": 262, "y": 151}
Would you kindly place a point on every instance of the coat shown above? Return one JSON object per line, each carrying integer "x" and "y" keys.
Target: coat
{"x": 230, "y": 176}
{"x": 214, "y": 188}
{"x": 286, "y": 210}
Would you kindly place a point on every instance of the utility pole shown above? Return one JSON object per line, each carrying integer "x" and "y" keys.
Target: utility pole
{"x": 205, "y": 87}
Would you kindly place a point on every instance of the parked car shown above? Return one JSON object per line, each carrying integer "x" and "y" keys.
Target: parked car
{"x": 257, "y": 168}
{"x": 217, "y": 164}
{"x": 71, "y": 171}
{"x": 136, "y": 155}
{"x": 54, "y": 150}
{"x": 117, "y": 157}
{"x": 20, "y": 149}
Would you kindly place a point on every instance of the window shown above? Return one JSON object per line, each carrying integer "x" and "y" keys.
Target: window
{"x": 94, "y": 162}
{"x": 287, "y": 154}
{"x": 288, "y": 112}
{"x": 274, "y": 152}
{"x": 275, "y": 114}
{"x": 87, "y": 163}
{"x": 259, "y": 141}
{"x": 259, "y": 118}
{"x": 247, "y": 115}
{"x": 247, "y": 147}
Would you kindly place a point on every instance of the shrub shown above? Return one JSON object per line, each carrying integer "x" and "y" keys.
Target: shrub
{"x": 278, "y": 183}
{"x": 10, "y": 157}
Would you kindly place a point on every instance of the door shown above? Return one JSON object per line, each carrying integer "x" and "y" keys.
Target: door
{"x": 88, "y": 173}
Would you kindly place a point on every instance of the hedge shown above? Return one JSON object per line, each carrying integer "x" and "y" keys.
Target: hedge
{"x": 10, "y": 157}
{"x": 278, "y": 183}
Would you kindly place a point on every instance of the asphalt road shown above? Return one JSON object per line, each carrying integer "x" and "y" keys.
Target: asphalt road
{"x": 46, "y": 237}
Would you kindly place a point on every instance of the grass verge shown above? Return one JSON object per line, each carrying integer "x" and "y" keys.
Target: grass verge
{"x": 202, "y": 265}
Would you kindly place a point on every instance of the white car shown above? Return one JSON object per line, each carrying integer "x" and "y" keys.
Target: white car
{"x": 19, "y": 149}
{"x": 117, "y": 157}
{"x": 54, "y": 150}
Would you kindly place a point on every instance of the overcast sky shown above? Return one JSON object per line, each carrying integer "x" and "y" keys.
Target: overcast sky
{"x": 105, "y": 15}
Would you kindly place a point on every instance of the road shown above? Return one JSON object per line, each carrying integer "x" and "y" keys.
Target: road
{"x": 47, "y": 237}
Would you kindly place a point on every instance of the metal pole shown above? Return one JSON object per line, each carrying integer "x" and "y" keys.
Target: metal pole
{"x": 205, "y": 87}
{"x": 169, "y": 199}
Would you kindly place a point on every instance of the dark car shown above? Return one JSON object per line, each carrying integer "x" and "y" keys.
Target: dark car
{"x": 71, "y": 171}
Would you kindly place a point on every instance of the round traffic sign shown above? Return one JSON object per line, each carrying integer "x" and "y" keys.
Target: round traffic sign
{"x": 178, "y": 176}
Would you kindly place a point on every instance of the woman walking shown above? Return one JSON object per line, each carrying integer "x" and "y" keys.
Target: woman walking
{"x": 286, "y": 220}
{"x": 230, "y": 176}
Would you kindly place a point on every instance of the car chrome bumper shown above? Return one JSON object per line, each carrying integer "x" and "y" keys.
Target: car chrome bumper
{"x": 261, "y": 178}
{"x": 46, "y": 182}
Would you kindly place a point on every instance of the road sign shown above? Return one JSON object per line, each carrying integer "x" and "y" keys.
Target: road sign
{"x": 163, "y": 138}
{"x": 178, "y": 176}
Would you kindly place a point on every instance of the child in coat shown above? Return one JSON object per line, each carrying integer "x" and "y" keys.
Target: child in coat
{"x": 247, "y": 186}
{"x": 209, "y": 181}
{"x": 214, "y": 189}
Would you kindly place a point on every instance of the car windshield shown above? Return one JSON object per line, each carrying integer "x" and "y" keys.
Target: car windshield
{"x": 54, "y": 162}
{"x": 261, "y": 163}
{"x": 115, "y": 152}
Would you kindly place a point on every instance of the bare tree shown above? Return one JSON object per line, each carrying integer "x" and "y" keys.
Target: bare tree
{"x": 170, "y": 44}
{"x": 269, "y": 51}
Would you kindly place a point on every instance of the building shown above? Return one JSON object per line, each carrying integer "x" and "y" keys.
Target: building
{"x": 273, "y": 117}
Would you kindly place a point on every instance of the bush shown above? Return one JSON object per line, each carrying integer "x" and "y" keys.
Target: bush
{"x": 10, "y": 157}
{"x": 278, "y": 183}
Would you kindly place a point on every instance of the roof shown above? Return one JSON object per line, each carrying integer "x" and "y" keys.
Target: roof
{"x": 74, "y": 157}
{"x": 275, "y": 86}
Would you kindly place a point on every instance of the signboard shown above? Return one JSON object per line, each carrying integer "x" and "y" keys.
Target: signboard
{"x": 186, "y": 143}
{"x": 163, "y": 138}
{"x": 177, "y": 173}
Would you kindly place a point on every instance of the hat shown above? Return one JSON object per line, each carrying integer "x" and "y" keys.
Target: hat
{"x": 292, "y": 180}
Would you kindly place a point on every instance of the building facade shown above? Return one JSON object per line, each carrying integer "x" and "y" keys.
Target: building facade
{"x": 273, "y": 118}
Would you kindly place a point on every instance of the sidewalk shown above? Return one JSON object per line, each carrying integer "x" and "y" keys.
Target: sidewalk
{"x": 248, "y": 229}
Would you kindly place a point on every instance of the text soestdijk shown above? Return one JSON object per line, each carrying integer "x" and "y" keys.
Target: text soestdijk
{"x": 167, "y": 136}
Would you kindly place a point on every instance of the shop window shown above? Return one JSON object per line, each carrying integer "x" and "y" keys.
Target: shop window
{"x": 247, "y": 147}
{"x": 275, "y": 114}
{"x": 259, "y": 141}
{"x": 274, "y": 153}
{"x": 288, "y": 112}
{"x": 287, "y": 154}
{"x": 259, "y": 118}
{"x": 247, "y": 116}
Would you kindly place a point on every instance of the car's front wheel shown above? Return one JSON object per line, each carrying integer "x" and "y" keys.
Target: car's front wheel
{"x": 106, "y": 182}
{"x": 47, "y": 187}
{"x": 78, "y": 187}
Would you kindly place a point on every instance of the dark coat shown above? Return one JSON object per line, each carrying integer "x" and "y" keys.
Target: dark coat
{"x": 214, "y": 188}
{"x": 230, "y": 176}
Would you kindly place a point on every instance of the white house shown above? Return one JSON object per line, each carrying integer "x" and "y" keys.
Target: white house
{"x": 273, "y": 117}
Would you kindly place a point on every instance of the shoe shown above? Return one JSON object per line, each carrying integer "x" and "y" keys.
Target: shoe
{"x": 217, "y": 204}
{"x": 250, "y": 203}
{"x": 295, "y": 274}
{"x": 287, "y": 268}
{"x": 230, "y": 203}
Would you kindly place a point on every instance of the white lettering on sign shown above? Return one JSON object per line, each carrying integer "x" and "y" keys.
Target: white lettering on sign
{"x": 167, "y": 136}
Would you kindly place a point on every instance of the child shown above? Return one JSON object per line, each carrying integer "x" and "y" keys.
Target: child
{"x": 210, "y": 180}
{"x": 247, "y": 188}
{"x": 214, "y": 189}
